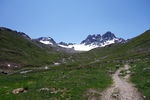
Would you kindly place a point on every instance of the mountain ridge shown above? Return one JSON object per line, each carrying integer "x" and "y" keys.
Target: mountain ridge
{"x": 94, "y": 41}
{"x": 90, "y": 42}
{"x": 100, "y": 40}
{"x": 18, "y": 49}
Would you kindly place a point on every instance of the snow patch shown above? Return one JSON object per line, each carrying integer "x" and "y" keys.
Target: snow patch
{"x": 84, "y": 47}
{"x": 46, "y": 42}
{"x": 80, "y": 47}
{"x": 63, "y": 46}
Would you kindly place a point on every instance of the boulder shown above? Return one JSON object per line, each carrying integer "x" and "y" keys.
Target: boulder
{"x": 19, "y": 90}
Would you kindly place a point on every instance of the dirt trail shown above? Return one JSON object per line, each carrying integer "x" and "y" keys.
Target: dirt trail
{"x": 121, "y": 89}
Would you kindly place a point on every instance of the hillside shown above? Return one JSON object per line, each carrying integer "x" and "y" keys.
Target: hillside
{"x": 138, "y": 47}
{"x": 17, "y": 50}
{"x": 134, "y": 48}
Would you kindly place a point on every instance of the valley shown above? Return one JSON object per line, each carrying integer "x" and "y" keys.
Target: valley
{"x": 50, "y": 72}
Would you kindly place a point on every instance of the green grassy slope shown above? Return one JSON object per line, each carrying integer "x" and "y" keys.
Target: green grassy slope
{"x": 75, "y": 82}
{"x": 138, "y": 47}
{"x": 139, "y": 44}
{"x": 80, "y": 72}
{"x": 16, "y": 48}
{"x": 141, "y": 76}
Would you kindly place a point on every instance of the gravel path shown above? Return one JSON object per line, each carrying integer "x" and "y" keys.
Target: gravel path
{"x": 121, "y": 88}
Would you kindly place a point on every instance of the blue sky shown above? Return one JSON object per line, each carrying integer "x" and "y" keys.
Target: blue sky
{"x": 73, "y": 20}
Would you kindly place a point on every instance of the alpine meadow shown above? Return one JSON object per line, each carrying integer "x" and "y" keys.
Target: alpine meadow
{"x": 74, "y": 50}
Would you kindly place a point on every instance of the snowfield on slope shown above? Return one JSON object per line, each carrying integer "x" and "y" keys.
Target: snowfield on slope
{"x": 80, "y": 47}
{"x": 83, "y": 47}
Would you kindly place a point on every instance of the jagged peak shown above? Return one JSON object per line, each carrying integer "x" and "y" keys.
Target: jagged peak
{"x": 46, "y": 40}
{"x": 109, "y": 34}
{"x": 98, "y": 39}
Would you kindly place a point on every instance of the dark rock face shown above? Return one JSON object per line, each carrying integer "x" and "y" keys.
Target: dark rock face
{"x": 63, "y": 43}
{"x": 24, "y": 35}
{"x": 71, "y": 43}
{"x": 108, "y": 36}
{"x": 101, "y": 39}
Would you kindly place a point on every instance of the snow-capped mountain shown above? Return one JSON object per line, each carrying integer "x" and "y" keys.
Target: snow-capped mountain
{"x": 102, "y": 40}
{"x": 94, "y": 41}
{"x": 91, "y": 42}
{"x": 47, "y": 40}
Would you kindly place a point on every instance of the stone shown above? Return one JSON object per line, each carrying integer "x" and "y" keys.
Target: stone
{"x": 8, "y": 65}
{"x": 115, "y": 95}
{"x": 128, "y": 72}
{"x": 19, "y": 90}
{"x": 44, "y": 89}
{"x": 24, "y": 72}
{"x": 144, "y": 97}
{"x": 3, "y": 72}
{"x": 46, "y": 67}
{"x": 146, "y": 68}
{"x": 56, "y": 64}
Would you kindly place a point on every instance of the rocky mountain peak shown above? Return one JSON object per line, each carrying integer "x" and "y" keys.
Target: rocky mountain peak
{"x": 91, "y": 42}
{"x": 101, "y": 40}
{"x": 47, "y": 40}
{"x": 108, "y": 36}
